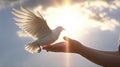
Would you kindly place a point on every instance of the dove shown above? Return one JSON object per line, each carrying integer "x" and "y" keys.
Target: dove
{"x": 37, "y": 27}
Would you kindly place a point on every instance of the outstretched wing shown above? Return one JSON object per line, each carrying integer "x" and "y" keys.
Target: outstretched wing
{"x": 35, "y": 25}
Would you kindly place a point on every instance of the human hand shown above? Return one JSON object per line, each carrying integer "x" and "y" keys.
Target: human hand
{"x": 69, "y": 46}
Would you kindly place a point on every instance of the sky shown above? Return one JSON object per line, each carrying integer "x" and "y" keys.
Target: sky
{"x": 95, "y": 23}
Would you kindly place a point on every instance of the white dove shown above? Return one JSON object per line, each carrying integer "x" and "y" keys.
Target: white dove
{"x": 36, "y": 26}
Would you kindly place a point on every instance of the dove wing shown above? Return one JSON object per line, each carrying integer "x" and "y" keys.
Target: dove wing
{"x": 34, "y": 25}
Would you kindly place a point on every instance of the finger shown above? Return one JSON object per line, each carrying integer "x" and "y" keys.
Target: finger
{"x": 53, "y": 45}
{"x": 68, "y": 39}
{"x": 46, "y": 46}
{"x": 65, "y": 38}
{"x": 58, "y": 47}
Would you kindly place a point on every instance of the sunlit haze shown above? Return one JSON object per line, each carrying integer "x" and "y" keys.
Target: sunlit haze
{"x": 68, "y": 15}
{"x": 94, "y": 23}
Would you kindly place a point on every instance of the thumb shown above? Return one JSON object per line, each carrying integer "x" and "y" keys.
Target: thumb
{"x": 69, "y": 40}
{"x": 66, "y": 38}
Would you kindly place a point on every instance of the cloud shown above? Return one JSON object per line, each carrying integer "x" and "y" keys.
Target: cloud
{"x": 100, "y": 13}
{"x": 98, "y": 17}
{"x": 8, "y": 3}
{"x": 28, "y": 3}
{"x": 112, "y": 4}
{"x": 104, "y": 24}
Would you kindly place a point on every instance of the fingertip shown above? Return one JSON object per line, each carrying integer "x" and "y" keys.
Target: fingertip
{"x": 45, "y": 47}
{"x": 65, "y": 38}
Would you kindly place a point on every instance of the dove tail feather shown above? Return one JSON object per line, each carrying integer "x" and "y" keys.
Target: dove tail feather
{"x": 33, "y": 48}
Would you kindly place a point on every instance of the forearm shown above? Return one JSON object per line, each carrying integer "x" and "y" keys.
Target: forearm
{"x": 111, "y": 52}
{"x": 99, "y": 57}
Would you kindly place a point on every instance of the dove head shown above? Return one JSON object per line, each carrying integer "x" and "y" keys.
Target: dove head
{"x": 60, "y": 28}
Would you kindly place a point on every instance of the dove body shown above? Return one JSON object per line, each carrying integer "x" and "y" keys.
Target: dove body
{"x": 52, "y": 37}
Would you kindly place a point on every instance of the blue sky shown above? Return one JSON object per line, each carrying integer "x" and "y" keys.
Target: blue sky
{"x": 102, "y": 33}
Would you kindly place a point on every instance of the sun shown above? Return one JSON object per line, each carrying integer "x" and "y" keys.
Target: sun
{"x": 68, "y": 16}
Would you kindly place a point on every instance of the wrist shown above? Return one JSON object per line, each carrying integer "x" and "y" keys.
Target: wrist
{"x": 79, "y": 49}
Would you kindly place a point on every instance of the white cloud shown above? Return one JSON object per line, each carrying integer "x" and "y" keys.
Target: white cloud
{"x": 110, "y": 24}
{"x": 99, "y": 13}
{"x": 7, "y": 3}
{"x": 105, "y": 24}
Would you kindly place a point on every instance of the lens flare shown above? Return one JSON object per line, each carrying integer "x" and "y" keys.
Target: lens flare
{"x": 67, "y": 3}
{"x": 67, "y": 55}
